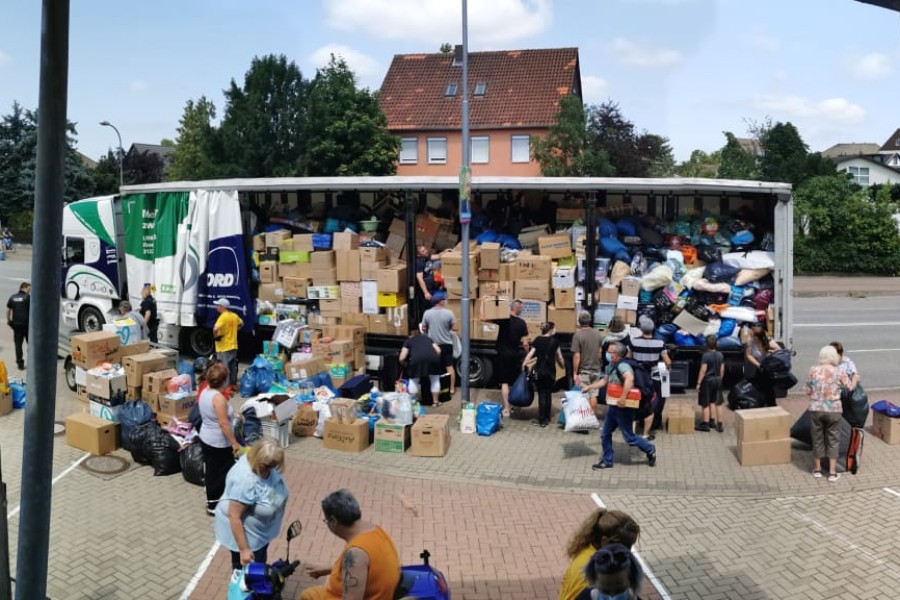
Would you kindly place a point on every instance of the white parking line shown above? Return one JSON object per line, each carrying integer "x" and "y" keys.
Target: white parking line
{"x": 873, "y": 350}
{"x": 201, "y": 570}
{"x": 657, "y": 584}
{"x": 890, "y": 491}
{"x": 829, "y": 325}
{"x": 68, "y": 470}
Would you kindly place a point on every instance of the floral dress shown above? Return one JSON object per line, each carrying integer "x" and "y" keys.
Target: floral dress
{"x": 824, "y": 388}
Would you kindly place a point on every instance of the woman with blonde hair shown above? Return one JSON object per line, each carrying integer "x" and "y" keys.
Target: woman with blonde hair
{"x": 824, "y": 390}
{"x": 250, "y": 513}
{"x": 600, "y": 528}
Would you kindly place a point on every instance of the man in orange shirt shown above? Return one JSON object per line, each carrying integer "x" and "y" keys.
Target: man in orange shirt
{"x": 368, "y": 568}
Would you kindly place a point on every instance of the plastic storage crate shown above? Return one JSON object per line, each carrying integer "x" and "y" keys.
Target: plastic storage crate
{"x": 279, "y": 432}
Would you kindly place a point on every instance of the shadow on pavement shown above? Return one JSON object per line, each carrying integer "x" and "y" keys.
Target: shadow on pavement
{"x": 706, "y": 581}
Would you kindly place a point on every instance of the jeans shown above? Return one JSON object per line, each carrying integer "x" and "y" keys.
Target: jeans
{"x": 622, "y": 419}
{"x": 229, "y": 359}
{"x": 260, "y": 556}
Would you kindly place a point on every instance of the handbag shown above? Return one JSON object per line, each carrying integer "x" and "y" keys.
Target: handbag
{"x": 457, "y": 344}
{"x": 521, "y": 393}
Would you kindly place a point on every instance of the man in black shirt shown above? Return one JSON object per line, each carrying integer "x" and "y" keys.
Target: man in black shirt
{"x": 425, "y": 284}
{"x": 148, "y": 311}
{"x": 17, "y": 309}
{"x": 510, "y": 351}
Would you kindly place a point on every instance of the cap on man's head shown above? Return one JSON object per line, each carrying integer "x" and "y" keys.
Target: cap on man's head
{"x": 223, "y": 302}
{"x": 439, "y": 296}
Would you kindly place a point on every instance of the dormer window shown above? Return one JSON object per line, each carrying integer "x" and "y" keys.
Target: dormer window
{"x": 897, "y": 142}
{"x": 451, "y": 90}
{"x": 481, "y": 88}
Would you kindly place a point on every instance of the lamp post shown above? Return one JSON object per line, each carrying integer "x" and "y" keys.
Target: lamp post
{"x": 121, "y": 151}
{"x": 465, "y": 211}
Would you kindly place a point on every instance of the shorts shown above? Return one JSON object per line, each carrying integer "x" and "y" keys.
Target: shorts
{"x": 589, "y": 377}
{"x": 710, "y": 391}
{"x": 446, "y": 355}
{"x": 508, "y": 368}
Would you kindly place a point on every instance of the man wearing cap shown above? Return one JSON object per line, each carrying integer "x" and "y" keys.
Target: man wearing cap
{"x": 438, "y": 322}
{"x": 649, "y": 351}
{"x": 148, "y": 312}
{"x": 586, "y": 354}
{"x": 225, "y": 332}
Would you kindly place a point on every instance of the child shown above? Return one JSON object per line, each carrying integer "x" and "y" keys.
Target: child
{"x": 709, "y": 386}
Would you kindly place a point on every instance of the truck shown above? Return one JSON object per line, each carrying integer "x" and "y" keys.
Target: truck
{"x": 193, "y": 240}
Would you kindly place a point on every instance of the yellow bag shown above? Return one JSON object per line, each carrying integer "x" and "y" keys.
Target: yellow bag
{"x": 4, "y": 377}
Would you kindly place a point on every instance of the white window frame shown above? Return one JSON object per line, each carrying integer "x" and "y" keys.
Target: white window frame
{"x": 436, "y": 160}
{"x": 858, "y": 173}
{"x": 410, "y": 158}
{"x": 512, "y": 147}
{"x": 486, "y": 139}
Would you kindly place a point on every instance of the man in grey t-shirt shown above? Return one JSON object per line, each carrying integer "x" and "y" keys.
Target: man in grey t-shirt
{"x": 586, "y": 345}
{"x": 438, "y": 322}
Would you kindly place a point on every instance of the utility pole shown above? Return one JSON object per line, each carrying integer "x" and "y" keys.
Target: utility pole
{"x": 465, "y": 211}
{"x": 5, "y": 574}
{"x": 37, "y": 460}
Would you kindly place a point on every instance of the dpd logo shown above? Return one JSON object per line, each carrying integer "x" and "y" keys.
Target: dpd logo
{"x": 217, "y": 280}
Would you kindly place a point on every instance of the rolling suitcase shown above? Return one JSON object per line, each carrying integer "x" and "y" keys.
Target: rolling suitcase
{"x": 855, "y": 450}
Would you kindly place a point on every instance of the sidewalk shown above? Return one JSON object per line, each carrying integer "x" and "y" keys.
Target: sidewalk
{"x": 845, "y": 285}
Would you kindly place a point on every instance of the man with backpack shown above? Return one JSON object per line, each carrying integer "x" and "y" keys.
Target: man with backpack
{"x": 620, "y": 371}
{"x": 647, "y": 352}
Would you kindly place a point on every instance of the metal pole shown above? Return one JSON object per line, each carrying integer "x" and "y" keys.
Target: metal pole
{"x": 121, "y": 152}
{"x": 590, "y": 252}
{"x": 5, "y": 574}
{"x": 37, "y": 461}
{"x": 414, "y": 314}
{"x": 465, "y": 215}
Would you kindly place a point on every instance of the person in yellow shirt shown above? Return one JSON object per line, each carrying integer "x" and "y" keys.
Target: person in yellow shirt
{"x": 368, "y": 568}
{"x": 601, "y": 528}
{"x": 225, "y": 331}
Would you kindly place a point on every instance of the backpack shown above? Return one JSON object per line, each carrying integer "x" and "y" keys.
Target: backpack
{"x": 642, "y": 381}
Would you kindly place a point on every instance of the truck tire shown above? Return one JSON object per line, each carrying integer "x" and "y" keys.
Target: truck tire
{"x": 90, "y": 319}
{"x": 69, "y": 368}
{"x": 481, "y": 371}
{"x": 199, "y": 341}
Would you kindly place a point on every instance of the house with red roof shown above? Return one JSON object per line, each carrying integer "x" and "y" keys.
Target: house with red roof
{"x": 514, "y": 96}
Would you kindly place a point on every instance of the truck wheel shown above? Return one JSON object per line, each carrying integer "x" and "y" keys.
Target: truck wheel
{"x": 90, "y": 319}
{"x": 200, "y": 341}
{"x": 481, "y": 371}
{"x": 70, "y": 373}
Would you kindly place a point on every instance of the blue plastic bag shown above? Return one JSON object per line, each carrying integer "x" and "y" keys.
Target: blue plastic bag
{"x": 248, "y": 383}
{"x": 186, "y": 367}
{"x": 607, "y": 228}
{"x": 18, "y": 395}
{"x": 487, "y": 418}
{"x": 886, "y": 408}
{"x": 520, "y": 392}
{"x": 614, "y": 248}
{"x": 131, "y": 415}
{"x": 626, "y": 227}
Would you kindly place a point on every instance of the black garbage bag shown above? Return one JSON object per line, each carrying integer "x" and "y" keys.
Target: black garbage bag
{"x": 193, "y": 469}
{"x": 744, "y": 395}
{"x": 709, "y": 254}
{"x": 131, "y": 415}
{"x": 801, "y": 431}
{"x": 855, "y": 406}
{"x": 137, "y": 440}
{"x": 163, "y": 452}
{"x": 720, "y": 273}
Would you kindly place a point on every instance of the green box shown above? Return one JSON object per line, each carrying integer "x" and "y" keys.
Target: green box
{"x": 294, "y": 256}
{"x": 391, "y": 437}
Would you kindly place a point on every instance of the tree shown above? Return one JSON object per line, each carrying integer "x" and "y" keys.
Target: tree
{"x": 631, "y": 153}
{"x": 700, "y": 164}
{"x": 196, "y": 155}
{"x": 106, "y": 174}
{"x": 737, "y": 163}
{"x": 446, "y": 48}
{"x": 346, "y": 130}
{"x": 657, "y": 152}
{"x": 264, "y": 120}
{"x": 783, "y": 154}
{"x": 564, "y": 151}
{"x": 143, "y": 167}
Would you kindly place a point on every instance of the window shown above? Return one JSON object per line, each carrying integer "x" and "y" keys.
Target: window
{"x": 481, "y": 149}
{"x": 521, "y": 148}
{"x": 409, "y": 151}
{"x": 480, "y": 88}
{"x": 860, "y": 175}
{"x": 73, "y": 253}
{"x": 437, "y": 151}
{"x": 451, "y": 90}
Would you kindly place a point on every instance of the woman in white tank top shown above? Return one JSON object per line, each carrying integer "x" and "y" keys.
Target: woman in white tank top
{"x": 216, "y": 434}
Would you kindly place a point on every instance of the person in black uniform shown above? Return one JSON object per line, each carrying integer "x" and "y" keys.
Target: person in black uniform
{"x": 510, "y": 351}
{"x": 148, "y": 311}
{"x": 17, "y": 309}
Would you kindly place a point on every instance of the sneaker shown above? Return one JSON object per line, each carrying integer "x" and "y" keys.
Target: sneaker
{"x": 651, "y": 458}
{"x": 210, "y": 511}
{"x": 651, "y": 437}
{"x": 701, "y": 427}
{"x": 506, "y": 414}
{"x": 712, "y": 424}
{"x": 817, "y": 474}
{"x": 834, "y": 477}
{"x": 720, "y": 427}
{"x": 601, "y": 465}
{"x": 535, "y": 422}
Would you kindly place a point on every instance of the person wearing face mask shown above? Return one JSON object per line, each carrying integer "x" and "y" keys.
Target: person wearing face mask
{"x": 545, "y": 348}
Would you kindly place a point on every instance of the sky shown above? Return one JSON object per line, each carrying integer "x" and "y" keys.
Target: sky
{"x": 684, "y": 69}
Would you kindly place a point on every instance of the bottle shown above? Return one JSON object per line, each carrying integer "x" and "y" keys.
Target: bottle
{"x": 404, "y": 410}
{"x": 375, "y": 396}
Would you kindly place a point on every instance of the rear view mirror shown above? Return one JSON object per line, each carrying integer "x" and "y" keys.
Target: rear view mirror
{"x": 294, "y": 530}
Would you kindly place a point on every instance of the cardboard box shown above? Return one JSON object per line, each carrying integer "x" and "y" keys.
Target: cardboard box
{"x": 295, "y": 287}
{"x": 345, "y": 240}
{"x": 534, "y": 311}
{"x": 285, "y": 246}
{"x": 762, "y": 424}
{"x": 558, "y": 245}
{"x": 91, "y": 434}
{"x": 268, "y": 272}
{"x": 564, "y": 298}
{"x": 565, "y": 319}
{"x": 273, "y": 238}
{"x": 90, "y": 349}
{"x": 271, "y": 292}
{"x": 508, "y": 271}
{"x": 354, "y": 333}
{"x": 771, "y": 452}
{"x": 529, "y": 236}
{"x": 392, "y": 279}
{"x": 628, "y": 316}
{"x": 390, "y": 299}
{"x": 431, "y": 435}
{"x": 323, "y": 260}
{"x": 608, "y": 295}
{"x": 286, "y": 257}
{"x": 150, "y": 398}
{"x": 454, "y": 287}
{"x": 886, "y": 428}
{"x": 502, "y": 289}
{"x": 370, "y": 297}
{"x": 303, "y": 242}
{"x": 495, "y": 308}
{"x": 346, "y": 437}
{"x": 305, "y": 369}
{"x": 631, "y": 286}
{"x": 80, "y": 394}
{"x": 533, "y": 289}
{"x": 482, "y": 330}
{"x": 348, "y": 265}
{"x": 259, "y": 242}
{"x": 155, "y": 382}
{"x": 305, "y": 421}
{"x": 301, "y": 270}
{"x": 532, "y": 267}
{"x": 324, "y": 276}
{"x": 452, "y": 263}
{"x": 177, "y": 405}
{"x": 323, "y": 292}
{"x": 6, "y": 405}
{"x": 107, "y": 413}
{"x": 128, "y": 330}
{"x": 490, "y": 256}
{"x": 140, "y": 364}
{"x": 133, "y": 393}
{"x": 628, "y": 303}
{"x": 391, "y": 437}
{"x": 141, "y": 347}
{"x": 680, "y": 418}
{"x": 563, "y": 277}
{"x": 101, "y": 385}
{"x": 488, "y": 275}
{"x": 350, "y": 306}
{"x": 330, "y": 307}
{"x": 373, "y": 254}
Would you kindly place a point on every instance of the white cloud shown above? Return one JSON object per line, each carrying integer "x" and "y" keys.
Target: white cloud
{"x": 5, "y": 58}
{"x": 594, "y": 89}
{"x": 644, "y": 56}
{"x": 138, "y": 85}
{"x": 874, "y": 65}
{"x": 494, "y": 24}
{"x": 363, "y": 65}
{"x": 831, "y": 111}
{"x": 760, "y": 41}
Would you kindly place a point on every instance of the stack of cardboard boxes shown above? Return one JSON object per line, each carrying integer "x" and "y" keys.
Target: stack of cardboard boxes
{"x": 763, "y": 436}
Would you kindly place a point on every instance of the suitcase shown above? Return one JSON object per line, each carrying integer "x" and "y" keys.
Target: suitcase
{"x": 855, "y": 450}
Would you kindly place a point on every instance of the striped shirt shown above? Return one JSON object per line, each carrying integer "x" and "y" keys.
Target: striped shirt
{"x": 647, "y": 350}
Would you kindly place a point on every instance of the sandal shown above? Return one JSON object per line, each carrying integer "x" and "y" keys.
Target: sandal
{"x": 817, "y": 474}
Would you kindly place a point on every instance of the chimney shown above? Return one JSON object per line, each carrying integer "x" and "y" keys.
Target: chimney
{"x": 458, "y": 55}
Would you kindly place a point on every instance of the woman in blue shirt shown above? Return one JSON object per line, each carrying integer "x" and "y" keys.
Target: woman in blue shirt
{"x": 250, "y": 513}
